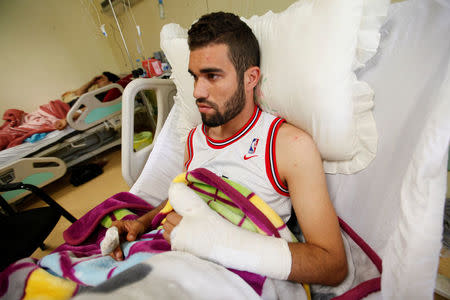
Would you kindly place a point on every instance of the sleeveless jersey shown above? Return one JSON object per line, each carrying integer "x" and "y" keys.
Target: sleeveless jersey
{"x": 247, "y": 157}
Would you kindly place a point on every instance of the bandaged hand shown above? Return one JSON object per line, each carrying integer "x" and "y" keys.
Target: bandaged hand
{"x": 111, "y": 241}
{"x": 129, "y": 230}
{"x": 206, "y": 234}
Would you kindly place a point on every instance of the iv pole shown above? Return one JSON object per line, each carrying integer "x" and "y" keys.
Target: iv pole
{"x": 121, "y": 34}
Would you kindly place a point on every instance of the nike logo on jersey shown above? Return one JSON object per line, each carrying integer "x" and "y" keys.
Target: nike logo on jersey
{"x": 248, "y": 157}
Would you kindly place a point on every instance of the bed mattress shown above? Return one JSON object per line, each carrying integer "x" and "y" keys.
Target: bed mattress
{"x": 25, "y": 149}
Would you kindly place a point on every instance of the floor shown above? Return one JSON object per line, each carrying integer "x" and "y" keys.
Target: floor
{"x": 79, "y": 200}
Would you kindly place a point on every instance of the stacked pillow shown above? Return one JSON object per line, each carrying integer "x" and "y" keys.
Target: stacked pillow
{"x": 309, "y": 55}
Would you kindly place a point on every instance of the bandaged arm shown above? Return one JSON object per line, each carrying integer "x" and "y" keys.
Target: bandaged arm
{"x": 206, "y": 234}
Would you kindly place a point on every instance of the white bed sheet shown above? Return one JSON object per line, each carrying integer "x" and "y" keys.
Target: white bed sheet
{"x": 397, "y": 203}
{"x": 13, "y": 154}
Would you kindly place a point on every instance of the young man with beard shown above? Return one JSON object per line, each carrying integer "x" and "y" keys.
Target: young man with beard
{"x": 238, "y": 140}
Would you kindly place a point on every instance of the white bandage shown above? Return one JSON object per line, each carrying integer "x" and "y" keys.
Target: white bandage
{"x": 111, "y": 241}
{"x": 206, "y": 234}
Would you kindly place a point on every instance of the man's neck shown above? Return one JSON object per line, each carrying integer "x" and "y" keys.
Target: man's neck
{"x": 228, "y": 129}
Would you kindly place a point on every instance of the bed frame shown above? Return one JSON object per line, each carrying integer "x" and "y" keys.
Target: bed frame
{"x": 96, "y": 130}
{"x": 133, "y": 161}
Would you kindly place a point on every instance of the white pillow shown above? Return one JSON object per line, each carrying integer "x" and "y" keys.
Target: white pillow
{"x": 309, "y": 53}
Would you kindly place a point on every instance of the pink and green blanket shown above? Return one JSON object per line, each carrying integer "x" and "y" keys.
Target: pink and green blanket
{"x": 78, "y": 268}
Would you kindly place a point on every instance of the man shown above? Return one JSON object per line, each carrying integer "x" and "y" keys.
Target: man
{"x": 238, "y": 140}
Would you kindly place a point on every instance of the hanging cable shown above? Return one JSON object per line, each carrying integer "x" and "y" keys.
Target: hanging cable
{"x": 96, "y": 11}
{"x": 140, "y": 49}
{"x": 121, "y": 34}
{"x": 161, "y": 9}
{"x": 102, "y": 26}
{"x": 87, "y": 11}
{"x": 114, "y": 31}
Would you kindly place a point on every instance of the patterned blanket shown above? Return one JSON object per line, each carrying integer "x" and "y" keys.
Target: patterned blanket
{"x": 78, "y": 263}
{"x": 78, "y": 268}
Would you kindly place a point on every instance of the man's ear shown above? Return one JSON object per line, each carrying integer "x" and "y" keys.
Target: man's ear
{"x": 251, "y": 77}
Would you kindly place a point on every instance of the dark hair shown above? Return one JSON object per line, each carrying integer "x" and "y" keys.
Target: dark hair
{"x": 111, "y": 77}
{"x": 228, "y": 29}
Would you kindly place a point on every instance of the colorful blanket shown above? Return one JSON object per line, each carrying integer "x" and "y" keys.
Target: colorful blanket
{"x": 78, "y": 268}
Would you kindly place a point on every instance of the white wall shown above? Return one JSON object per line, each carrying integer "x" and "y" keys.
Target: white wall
{"x": 183, "y": 12}
{"x": 47, "y": 47}
{"x": 51, "y": 46}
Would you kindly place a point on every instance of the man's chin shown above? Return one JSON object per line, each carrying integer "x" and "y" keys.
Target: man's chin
{"x": 210, "y": 122}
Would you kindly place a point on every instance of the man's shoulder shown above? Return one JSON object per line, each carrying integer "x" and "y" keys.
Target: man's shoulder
{"x": 296, "y": 153}
{"x": 288, "y": 130}
{"x": 294, "y": 138}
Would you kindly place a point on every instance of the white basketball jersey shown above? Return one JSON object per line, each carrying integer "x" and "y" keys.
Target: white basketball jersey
{"x": 248, "y": 158}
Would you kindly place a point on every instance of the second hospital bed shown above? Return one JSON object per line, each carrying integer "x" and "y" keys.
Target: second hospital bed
{"x": 94, "y": 131}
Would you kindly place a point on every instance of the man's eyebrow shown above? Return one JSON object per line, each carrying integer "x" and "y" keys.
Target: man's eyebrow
{"x": 207, "y": 70}
{"x": 211, "y": 70}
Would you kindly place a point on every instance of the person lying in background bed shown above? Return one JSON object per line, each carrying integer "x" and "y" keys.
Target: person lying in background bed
{"x": 19, "y": 125}
{"x": 237, "y": 141}
{"x": 70, "y": 97}
{"x": 99, "y": 81}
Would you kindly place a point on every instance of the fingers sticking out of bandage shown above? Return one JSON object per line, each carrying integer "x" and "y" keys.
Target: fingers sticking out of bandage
{"x": 206, "y": 234}
{"x": 111, "y": 241}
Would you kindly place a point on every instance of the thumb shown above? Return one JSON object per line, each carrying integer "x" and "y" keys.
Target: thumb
{"x": 133, "y": 231}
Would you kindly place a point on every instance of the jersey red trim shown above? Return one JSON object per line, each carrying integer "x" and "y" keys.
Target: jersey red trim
{"x": 271, "y": 162}
{"x": 219, "y": 144}
{"x": 190, "y": 148}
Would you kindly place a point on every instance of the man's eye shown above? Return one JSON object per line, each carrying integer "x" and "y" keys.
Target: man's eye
{"x": 213, "y": 76}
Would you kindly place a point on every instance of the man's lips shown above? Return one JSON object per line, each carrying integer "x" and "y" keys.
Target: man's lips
{"x": 204, "y": 108}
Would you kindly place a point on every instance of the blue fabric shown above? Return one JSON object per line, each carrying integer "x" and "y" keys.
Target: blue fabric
{"x": 36, "y": 137}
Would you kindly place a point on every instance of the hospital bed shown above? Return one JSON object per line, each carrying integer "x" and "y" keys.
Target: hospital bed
{"x": 40, "y": 163}
{"x": 395, "y": 204}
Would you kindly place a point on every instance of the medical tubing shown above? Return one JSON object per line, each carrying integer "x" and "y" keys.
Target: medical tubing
{"x": 121, "y": 34}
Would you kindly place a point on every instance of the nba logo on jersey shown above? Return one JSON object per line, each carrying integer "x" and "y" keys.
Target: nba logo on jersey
{"x": 253, "y": 146}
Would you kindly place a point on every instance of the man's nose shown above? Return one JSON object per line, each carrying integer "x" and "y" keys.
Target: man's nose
{"x": 200, "y": 89}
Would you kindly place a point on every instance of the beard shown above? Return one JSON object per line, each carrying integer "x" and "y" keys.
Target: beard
{"x": 233, "y": 106}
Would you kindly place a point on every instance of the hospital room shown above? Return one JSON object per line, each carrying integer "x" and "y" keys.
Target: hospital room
{"x": 204, "y": 149}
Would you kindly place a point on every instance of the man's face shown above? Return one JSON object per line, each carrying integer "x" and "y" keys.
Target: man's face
{"x": 219, "y": 96}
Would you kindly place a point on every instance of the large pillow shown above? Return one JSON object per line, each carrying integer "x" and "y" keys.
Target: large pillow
{"x": 309, "y": 54}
